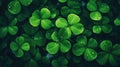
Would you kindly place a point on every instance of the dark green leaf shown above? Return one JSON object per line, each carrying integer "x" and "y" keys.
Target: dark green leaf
{"x": 14, "y": 7}
{"x": 106, "y": 45}
{"x": 90, "y": 54}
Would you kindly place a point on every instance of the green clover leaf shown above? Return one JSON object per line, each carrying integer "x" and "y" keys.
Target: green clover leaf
{"x": 77, "y": 28}
{"x": 14, "y": 7}
{"x": 61, "y": 23}
{"x": 12, "y": 30}
{"x": 52, "y": 47}
{"x": 46, "y": 24}
{"x": 97, "y": 29}
{"x": 96, "y": 16}
{"x": 26, "y": 2}
{"x": 106, "y": 45}
{"x": 60, "y": 62}
{"x": 64, "y": 33}
{"x": 90, "y": 54}
{"x": 19, "y": 46}
{"x": 45, "y": 13}
{"x": 104, "y": 8}
{"x": 65, "y": 46}
{"x": 73, "y": 19}
{"x": 117, "y": 22}
{"x": 91, "y": 6}
{"x": 62, "y": 1}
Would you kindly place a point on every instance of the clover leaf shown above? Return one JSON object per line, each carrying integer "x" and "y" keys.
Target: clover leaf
{"x": 25, "y": 2}
{"x": 19, "y": 46}
{"x": 72, "y": 24}
{"x": 60, "y": 62}
{"x": 14, "y": 7}
{"x": 84, "y": 48}
{"x": 104, "y": 8}
{"x": 73, "y": 6}
{"x": 73, "y": 18}
{"x": 64, "y": 33}
{"x": 59, "y": 43}
{"x": 52, "y": 47}
{"x": 109, "y": 53}
{"x": 102, "y": 26}
{"x": 95, "y": 15}
{"x": 41, "y": 18}
{"x": 61, "y": 23}
{"x": 12, "y": 29}
{"x": 97, "y": 29}
{"x": 62, "y": 1}
{"x": 117, "y": 22}
{"x": 31, "y": 63}
{"x": 92, "y": 6}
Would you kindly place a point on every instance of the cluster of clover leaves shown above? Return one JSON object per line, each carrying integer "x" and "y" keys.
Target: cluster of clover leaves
{"x": 43, "y": 34}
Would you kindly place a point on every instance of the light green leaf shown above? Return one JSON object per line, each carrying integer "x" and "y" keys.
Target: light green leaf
{"x": 45, "y": 13}
{"x": 61, "y": 23}
{"x": 14, "y": 7}
{"x": 25, "y": 2}
{"x": 14, "y": 46}
{"x": 54, "y": 36}
{"x": 73, "y": 19}
{"x": 46, "y": 24}
{"x": 95, "y": 15}
{"x": 102, "y": 58}
{"x": 13, "y": 30}
{"x": 90, "y": 54}
{"x": 77, "y": 28}
{"x": 65, "y": 46}
{"x": 97, "y": 29}
{"x": 62, "y": 1}
{"x": 52, "y": 47}
{"x": 92, "y": 43}
{"x": 64, "y": 33}
{"x": 106, "y": 45}
{"x": 25, "y": 46}
{"x": 34, "y": 21}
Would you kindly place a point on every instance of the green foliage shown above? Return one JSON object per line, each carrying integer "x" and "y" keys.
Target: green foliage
{"x": 19, "y": 45}
{"x": 62, "y": 1}
{"x": 41, "y": 17}
{"x": 25, "y": 2}
{"x": 59, "y": 33}
{"x": 82, "y": 47}
{"x": 102, "y": 26}
{"x": 72, "y": 25}
{"x": 11, "y": 29}
{"x": 60, "y": 62}
{"x": 14, "y": 7}
{"x": 96, "y": 16}
{"x": 109, "y": 53}
{"x": 117, "y": 22}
